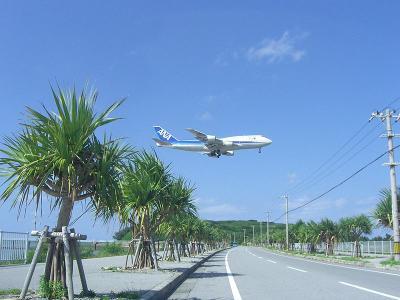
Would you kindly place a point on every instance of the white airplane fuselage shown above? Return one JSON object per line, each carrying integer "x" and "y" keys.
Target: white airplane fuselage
{"x": 209, "y": 144}
{"x": 232, "y": 143}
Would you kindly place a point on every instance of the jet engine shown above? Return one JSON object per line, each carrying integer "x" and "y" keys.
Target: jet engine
{"x": 228, "y": 144}
{"x": 211, "y": 138}
{"x": 228, "y": 153}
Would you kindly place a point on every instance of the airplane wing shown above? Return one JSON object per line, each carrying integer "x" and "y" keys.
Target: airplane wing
{"x": 210, "y": 140}
{"x": 198, "y": 135}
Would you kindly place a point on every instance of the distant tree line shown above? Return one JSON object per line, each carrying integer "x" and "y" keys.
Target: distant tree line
{"x": 348, "y": 229}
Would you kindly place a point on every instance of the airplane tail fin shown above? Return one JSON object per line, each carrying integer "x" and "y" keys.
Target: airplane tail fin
{"x": 164, "y": 135}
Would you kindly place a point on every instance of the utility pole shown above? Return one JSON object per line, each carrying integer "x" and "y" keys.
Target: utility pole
{"x": 387, "y": 116}
{"x": 268, "y": 228}
{"x": 253, "y": 235}
{"x": 286, "y": 197}
{"x": 261, "y": 242}
{"x": 244, "y": 236}
{"x": 234, "y": 237}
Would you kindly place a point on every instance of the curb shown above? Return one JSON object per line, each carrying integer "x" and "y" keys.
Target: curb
{"x": 166, "y": 288}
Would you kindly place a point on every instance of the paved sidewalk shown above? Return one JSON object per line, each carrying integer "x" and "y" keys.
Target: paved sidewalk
{"x": 104, "y": 282}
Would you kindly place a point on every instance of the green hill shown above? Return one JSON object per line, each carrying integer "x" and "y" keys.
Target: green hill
{"x": 236, "y": 227}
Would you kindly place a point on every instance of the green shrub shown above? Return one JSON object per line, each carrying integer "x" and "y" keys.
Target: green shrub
{"x": 390, "y": 262}
{"x": 87, "y": 251}
{"x": 51, "y": 289}
{"x": 42, "y": 254}
{"x": 112, "y": 249}
{"x": 127, "y": 295}
{"x": 88, "y": 294}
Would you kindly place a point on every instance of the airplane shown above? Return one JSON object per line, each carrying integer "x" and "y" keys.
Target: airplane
{"x": 210, "y": 144}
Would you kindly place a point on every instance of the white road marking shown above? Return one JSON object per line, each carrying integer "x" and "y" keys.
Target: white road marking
{"x": 268, "y": 260}
{"x": 333, "y": 265}
{"x": 300, "y": 270}
{"x": 235, "y": 290}
{"x": 369, "y": 290}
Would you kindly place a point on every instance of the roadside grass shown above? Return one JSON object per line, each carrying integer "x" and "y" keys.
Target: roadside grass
{"x": 120, "y": 295}
{"x": 351, "y": 258}
{"x": 10, "y": 292}
{"x": 390, "y": 262}
{"x": 11, "y": 262}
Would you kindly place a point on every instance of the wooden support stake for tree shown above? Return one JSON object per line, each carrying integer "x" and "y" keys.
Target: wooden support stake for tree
{"x": 165, "y": 250}
{"x": 77, "y": 252}
{"x": 49, "y": 258}
{"x": 136, "y": 258}
{"x": 178, "y": 257}
{"x": 62, "y": 266}
{"x": 132, "y": 251}
{"x": 127, "y": 255}
{"x": 154, "y": 253}
{"x": 175, "y": 250}
{"x": 68, "y": 263}
{"x": 33, "y": 263}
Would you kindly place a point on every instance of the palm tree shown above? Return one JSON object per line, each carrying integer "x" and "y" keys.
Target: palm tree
{"x": 58, "y": 154}
{"x": 151, "y": 195}
{"x": 328, "y": 232}
{"x": 177, "y": 229}
{"x": 144, "y": 188}
{"x": 352, "y": 228}
{"x": 383, "y": 211}
{"x": 278, "y": 236}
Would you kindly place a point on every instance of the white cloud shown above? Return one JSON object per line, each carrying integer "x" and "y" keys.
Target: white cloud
{"x": 212, "y": 209}
{"x": 205, "y": 116}
{"x": 221, "y": 60}
{"x": 276, "y": 50}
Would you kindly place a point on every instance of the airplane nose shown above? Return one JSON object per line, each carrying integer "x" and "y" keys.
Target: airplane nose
{"x": 267, "y": 141}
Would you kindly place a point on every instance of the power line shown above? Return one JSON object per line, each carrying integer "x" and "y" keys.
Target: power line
{"x": 338, "y": 184}
{"x": 332, "y": 169}
{"x": 315, "y": 174}
{"x": 312, "y": 175}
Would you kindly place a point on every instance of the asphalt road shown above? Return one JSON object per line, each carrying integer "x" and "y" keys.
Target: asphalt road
{"x": 254, "y": 273}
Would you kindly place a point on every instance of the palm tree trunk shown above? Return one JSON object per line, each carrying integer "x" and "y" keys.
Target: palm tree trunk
{"x": 64, "y": 216}
{"x": 57, "y": 262}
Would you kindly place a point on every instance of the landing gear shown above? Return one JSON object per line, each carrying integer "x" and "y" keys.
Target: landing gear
{"x": 259, "y": 150}
{"x": 218, "y": 153}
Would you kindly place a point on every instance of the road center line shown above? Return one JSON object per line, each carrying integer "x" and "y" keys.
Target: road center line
{"x": 234, "y": 289}
{"x": 271, "y": 261}
{"x": 300, "y": 270}
{"x": 369, "y": 290}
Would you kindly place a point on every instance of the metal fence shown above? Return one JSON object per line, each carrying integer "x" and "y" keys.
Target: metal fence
{"x": 367, "y": 247}
{"x": 13, "y": 246}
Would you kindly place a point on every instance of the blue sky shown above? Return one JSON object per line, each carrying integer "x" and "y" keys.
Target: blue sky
{"x": 306, "y": 74}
